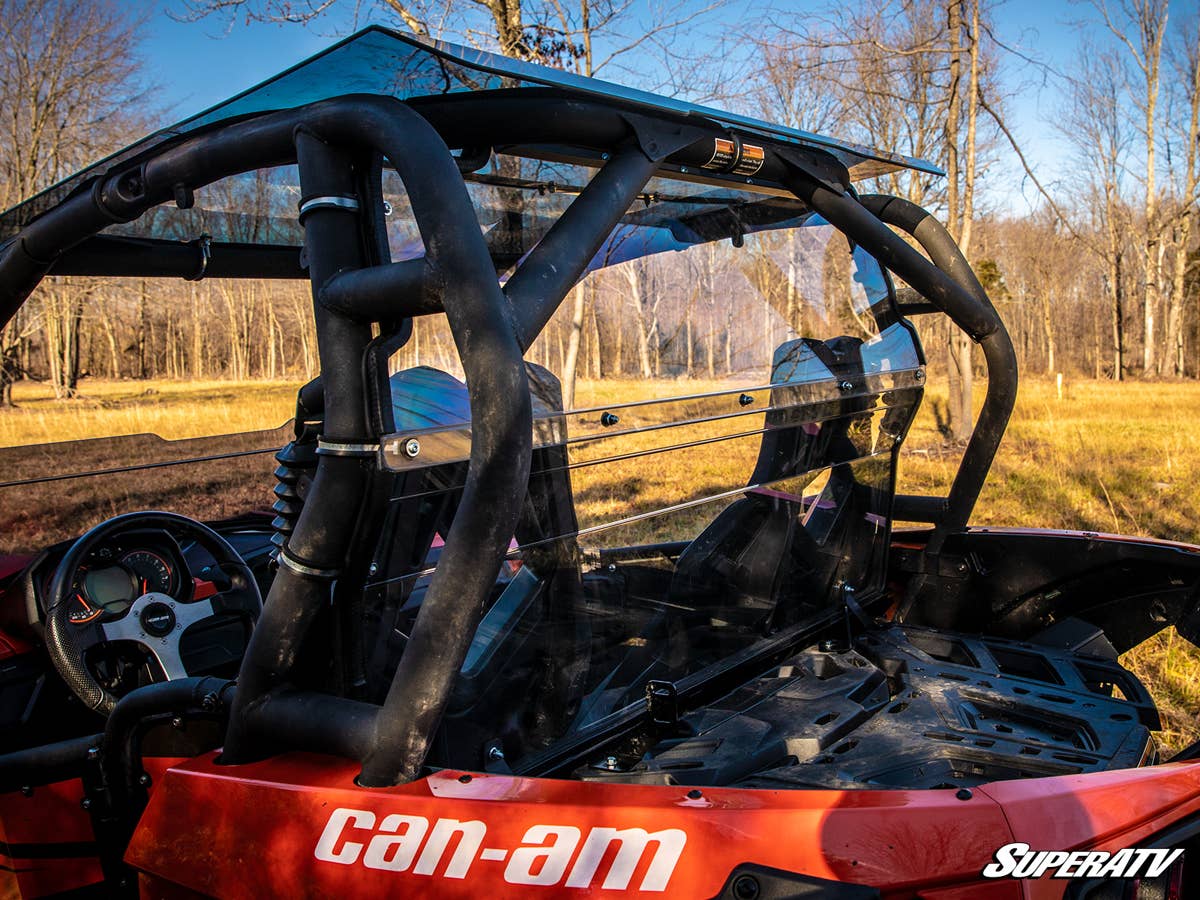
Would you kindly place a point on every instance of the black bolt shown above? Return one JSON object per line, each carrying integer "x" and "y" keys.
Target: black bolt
{"x": 85, "y": 803}
{"x": 26, "y": 791}
{"x": 177, "y": 722}
{"x": 745, "y": 400}
{"x": 608, "y": 419}
{"x": 745, "y": 887}
{"x": 963, "y": 794}
{"x": 695, "y": 794}
{"x": 144, "y": 780}
{"x": 93, "y": 753}
{"x": 465, "y": 779}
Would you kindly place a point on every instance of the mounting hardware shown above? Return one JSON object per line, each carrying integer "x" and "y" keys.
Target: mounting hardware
{"x": 184, "y": 198}
{"x": 495, "y": 754}
{"x": 963, "y": 794}
{"x": 93, "y": 753}
{"x": 745, "y": 400}
{"x": 412, "y": 447}
{"x": 846, "y": 386}
{"x": 610, "y": 763}
{"x": 695, "y": 794}
{"x": 746, "y": 887}
{"x": 203, "y": 245}
{"x": 608, "y": 419}
{"x": 662, "y": 702}
{"x": 144, "y": 780}
{"x": 464, "y": 779}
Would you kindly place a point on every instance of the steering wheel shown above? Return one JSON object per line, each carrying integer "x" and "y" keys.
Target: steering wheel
{"x": 154, "y": 620}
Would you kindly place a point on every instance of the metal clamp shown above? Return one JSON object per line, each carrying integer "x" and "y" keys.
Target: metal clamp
{"x": 285, "y": 559}
{"x": 349, "y": 204}
{"x": 332, "y": 448}
{"x": 204, "y": 245}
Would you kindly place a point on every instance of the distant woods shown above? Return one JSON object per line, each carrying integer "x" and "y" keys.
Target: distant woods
{"x": 1102, "y": 279}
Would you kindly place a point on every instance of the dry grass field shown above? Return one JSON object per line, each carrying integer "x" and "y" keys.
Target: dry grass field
{"x": 1105, "y": 457}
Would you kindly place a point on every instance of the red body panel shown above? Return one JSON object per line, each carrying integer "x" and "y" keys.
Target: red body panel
{"x": 48, "y": 844}
{"x": 255, "y": 831}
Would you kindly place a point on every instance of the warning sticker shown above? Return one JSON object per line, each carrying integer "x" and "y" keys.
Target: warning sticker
{"x": 750, "y": 161}
{"x": 724, "y": 153}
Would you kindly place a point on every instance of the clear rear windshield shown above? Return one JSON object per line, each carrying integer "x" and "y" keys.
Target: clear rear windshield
{"x": 725, "y": 473}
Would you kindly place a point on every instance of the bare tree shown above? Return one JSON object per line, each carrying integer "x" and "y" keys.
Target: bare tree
{"x": 68, "y": 70}
{"x": 1186, "y": 60}
{"x": 1147, "y": 20}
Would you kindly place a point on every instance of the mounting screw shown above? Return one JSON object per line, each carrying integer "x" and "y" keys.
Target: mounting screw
{"x": 745, "y": 400}
{"x": 412, "y": 447}
{"x": 93, "y": 753}
{"x": 829, "y": 646}
{"x": 695, "y": 794}
{"x": 610, "y": 762}
{"x": 209, "y": 701}
{"x": 495, "y": 754}
{"x": 177, "y": 722}
{"x": 387, "y": 208}
{"x": 373, "y": 569}
{"x": 745, "y": 887}
{"x": 962, "y": 568}
{"x": 144, "y": 780}
{"x": 85, "y": 803}
{"x": 607, "y": 419}
{"x": 963, "y": 794}
{"x": 464, "y": 779}
{"x": 919, "y": 375}
{"x": 846, "y": 386}
{"x": 26, "y": 791}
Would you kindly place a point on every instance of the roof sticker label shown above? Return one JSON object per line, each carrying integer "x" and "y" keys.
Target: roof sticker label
{"x": 724, "y": 155}
{"x": 750, "y": 160}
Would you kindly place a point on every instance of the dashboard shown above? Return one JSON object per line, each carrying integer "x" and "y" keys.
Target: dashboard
{"x": 120, "y": 571}
{"x": 35, "y": 705}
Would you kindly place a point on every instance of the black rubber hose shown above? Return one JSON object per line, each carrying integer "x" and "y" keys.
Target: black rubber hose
{"x": 122, "y": 732}
{"x": 317, "y": 548}
{"x": 46, "y": 764}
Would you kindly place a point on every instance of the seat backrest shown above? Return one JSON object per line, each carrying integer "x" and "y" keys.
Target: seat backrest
{"x": 780, "y": 552}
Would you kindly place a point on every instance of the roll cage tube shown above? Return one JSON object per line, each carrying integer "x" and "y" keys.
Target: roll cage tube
{"x": 950, "y": 284}
{"x": 330, "y": 140}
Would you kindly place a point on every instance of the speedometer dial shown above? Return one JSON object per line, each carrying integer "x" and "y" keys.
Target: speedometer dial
{"x": 151, "y": 570}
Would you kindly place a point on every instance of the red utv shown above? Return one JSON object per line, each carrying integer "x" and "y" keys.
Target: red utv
{"x": 488, "y": 646}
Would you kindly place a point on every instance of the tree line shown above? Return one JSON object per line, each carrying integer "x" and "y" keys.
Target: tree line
{"x": 1099, "y": 279}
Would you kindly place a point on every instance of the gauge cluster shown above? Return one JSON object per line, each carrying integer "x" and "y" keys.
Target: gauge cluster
{"x": 117, "y": 573}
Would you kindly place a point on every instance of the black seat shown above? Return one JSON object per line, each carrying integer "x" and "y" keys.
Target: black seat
{"x": 774, "y": 555}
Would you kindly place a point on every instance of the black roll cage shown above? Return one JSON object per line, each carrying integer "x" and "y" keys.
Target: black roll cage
{"x": 338, "y": 145}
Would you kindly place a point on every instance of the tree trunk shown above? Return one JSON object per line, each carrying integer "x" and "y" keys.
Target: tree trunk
{"x": 572, "y": 356}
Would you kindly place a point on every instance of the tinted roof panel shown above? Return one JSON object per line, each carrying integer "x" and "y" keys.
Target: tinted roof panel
{"x": 380, "y": 61}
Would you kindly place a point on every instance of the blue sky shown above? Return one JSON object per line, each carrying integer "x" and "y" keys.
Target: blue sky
{"x": 198, "y": 64}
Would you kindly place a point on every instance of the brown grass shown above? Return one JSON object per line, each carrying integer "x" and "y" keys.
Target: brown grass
{"x": 1106, "y": 457}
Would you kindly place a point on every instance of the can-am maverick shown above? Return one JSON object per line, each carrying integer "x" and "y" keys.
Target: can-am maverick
{"x": 488, "y": 646}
